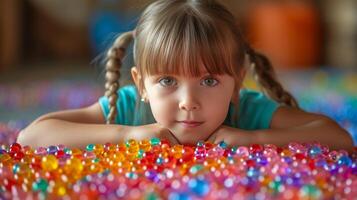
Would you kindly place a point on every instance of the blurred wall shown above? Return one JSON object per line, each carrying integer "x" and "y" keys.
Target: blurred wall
{"x": 293, "y": 33}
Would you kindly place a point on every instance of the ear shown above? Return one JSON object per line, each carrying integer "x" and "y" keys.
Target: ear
{"x": 137, "y": 79}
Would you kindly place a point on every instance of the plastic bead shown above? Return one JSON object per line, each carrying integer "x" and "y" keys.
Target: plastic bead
{"x": 49, "y": 163}
{"x": 155, "y": 170}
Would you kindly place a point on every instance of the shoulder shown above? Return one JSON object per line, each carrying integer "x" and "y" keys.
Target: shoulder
{"x": 127, "y": 96}
{"x": 255, "y": 109}
{"x": 129, "y": 90}
{"x": 250, "y": 95}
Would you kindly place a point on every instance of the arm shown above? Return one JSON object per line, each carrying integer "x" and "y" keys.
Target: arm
{"x": 289, "y": 124}
{"x": 80, "y": 127}
{"x": 73, "y": 128}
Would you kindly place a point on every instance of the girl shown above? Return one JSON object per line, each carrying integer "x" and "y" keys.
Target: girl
{"x": 190, "y": 59}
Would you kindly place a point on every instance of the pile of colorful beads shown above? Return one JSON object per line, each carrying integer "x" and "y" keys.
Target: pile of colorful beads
{"x": 152, "y": 169}
{"x": 51, "y": 94}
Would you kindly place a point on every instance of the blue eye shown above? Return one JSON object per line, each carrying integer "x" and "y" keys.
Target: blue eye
{"x": 210, "y": 82}
{"x": 167, "y": 81}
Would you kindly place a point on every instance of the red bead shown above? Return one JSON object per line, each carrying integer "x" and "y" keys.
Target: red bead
{"x": 279, "y": 150}
{"x": 188, "y": 154}
{"x": 36, "y": 162}
{"x": 299, "y": 156}
{"x": 165, "y": 141}
{"x": 150, "y": 157}
{"x": 311, "y": 164}
{"x": 209, "y": 145}
{"x": 256, "y": 148}
{"x": 250, "y": 163}
{"x": 15, "y": 147}
{"x": 18, "y": 155}
{"x": 59, "y": 154}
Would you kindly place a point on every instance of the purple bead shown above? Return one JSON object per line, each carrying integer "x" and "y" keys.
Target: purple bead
{"x": 52, "y": 149}
{"x": 152, "y": 175}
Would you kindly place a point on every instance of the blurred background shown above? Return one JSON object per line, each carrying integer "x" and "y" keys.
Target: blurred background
{"x": 51, "y": 52}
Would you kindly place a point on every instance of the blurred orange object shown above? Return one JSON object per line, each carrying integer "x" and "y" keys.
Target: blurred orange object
{"x": 288, "y": 32}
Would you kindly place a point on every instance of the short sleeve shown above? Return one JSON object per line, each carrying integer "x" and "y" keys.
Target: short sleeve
{"x": 125, "y": 105}
{"x": 255, "y": 110}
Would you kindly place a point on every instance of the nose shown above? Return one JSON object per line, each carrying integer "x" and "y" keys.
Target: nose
{"x": 189, "y": 101}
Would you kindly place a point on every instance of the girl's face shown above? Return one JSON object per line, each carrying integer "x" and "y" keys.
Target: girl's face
{"x": 190, "y": 107}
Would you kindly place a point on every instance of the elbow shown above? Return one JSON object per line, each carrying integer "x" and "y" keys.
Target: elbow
{"x": 28, "y": 137}
{"x": 24, "y": 139}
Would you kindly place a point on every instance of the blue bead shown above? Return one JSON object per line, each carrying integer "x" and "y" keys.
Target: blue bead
{"x": 198, "y": 187}
{"x": 179, "y": 196}
{"x": 314, "y": 151}
{"x": 253, "y": 173}
{"x": 159, "y": 160}
{"x": 344, "y": 160}
{"x": 15, "y": 168}
{"x": 222, "y": 144}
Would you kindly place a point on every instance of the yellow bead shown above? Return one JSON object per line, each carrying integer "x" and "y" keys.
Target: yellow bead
{"x": 145, "y": 145}
{"x": 76, "y": 153}
{"x": 49, "y": 163}
{"x": 73, "y": 166}
{"x": 98, "y": 149}
{"x": 5, "y": 158}
{"x": 60, "y": 190}
{"x": 117, "y": 157}
{"x": 210, "y": 162}
{"x": 177, "y": 151}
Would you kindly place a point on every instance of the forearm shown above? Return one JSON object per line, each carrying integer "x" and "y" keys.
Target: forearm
{"x": 54, "y": 132}
{"x": 323, "y": 131}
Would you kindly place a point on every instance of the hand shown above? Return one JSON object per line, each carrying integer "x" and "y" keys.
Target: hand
{"x": 146, "y": 132}
{"x": 231, "y": 136}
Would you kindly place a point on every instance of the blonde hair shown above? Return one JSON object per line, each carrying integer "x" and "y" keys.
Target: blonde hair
{"x": 178, "y": 36}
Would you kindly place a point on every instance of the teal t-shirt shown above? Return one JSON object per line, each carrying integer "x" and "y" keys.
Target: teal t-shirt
{"x": 255, "y": 109}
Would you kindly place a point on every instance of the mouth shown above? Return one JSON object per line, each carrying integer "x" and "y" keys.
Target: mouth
{"x": 190, "y": 124}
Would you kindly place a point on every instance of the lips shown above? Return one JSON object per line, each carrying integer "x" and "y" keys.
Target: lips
{"x": 190, "y": 124}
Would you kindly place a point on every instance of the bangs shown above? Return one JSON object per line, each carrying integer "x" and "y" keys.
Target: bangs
{"x": 185, "y": 44}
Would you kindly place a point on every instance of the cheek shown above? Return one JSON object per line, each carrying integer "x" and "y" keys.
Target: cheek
{"x": 162, "y": 110}
{"x": 217, "y": 106}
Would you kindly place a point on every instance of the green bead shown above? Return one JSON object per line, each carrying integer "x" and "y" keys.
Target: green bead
{"x": 90, "y": 147}
{"x": 194, "y": 169}
{"x": 234, "y": 149}
{"x": 155, "y": 141}
{"x": 276, "y": 186}
{"x": 67, "y": 151}
{"x": 311, "y": 191}
{"x": 152, "y": 196}
{"x": 131, "y": 175}
{"x": 40, "y": 185}
{"x": 200, "y": 143}
{"x": 141, "y": 153}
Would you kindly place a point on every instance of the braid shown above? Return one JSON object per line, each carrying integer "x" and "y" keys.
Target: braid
{"x": 264, "y": 74}
{"x": 114, "y": 61}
